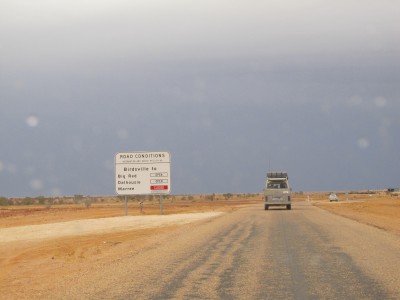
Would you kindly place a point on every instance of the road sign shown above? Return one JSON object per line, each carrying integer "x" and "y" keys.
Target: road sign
{"x": 142, "y": 173}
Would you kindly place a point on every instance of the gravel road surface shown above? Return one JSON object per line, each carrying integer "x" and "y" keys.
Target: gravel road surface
{"x": 304, "y": 253}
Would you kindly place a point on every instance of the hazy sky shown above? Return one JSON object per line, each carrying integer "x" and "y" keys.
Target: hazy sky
{"x": 231, "y": 89}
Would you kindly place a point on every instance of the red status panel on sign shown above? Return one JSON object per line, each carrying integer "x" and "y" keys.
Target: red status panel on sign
{"x": 158, "y": 187}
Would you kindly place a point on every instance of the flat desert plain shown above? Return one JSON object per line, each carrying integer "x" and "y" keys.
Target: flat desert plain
{"x": 41, "y": 246}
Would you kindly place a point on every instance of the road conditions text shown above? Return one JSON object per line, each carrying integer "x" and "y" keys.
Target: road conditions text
{"x": 139, "y": 173}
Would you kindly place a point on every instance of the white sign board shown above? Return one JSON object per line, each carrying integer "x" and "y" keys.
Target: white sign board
{"x": 142, "y": 173}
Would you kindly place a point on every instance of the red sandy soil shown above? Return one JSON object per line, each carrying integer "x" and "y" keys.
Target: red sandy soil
{"x": 28, "y": 268}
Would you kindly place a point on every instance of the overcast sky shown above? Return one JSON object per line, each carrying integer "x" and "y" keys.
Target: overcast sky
{"x": 231, "y": 89}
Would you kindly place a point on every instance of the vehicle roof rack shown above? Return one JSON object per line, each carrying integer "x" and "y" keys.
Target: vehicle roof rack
{"x": 277, "y": 175}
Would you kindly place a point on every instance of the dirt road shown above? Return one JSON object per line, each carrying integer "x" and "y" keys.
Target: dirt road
{"x": 305, "y": 253}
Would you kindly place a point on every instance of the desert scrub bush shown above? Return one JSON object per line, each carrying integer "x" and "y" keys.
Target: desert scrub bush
{"x": 88, "y": 202}
{"x": 210, "y": 197}
{"x": 4, "y": 201}
{"x": 227, "y": 196}
{"x": 78, "y": 199}
{"x": 41, "y": 200}
{"x": 27, "y": 201}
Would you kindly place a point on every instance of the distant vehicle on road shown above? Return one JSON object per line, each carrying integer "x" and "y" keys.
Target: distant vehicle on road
{"x": 333, "y": 197}
{"x": 277, "y": 190}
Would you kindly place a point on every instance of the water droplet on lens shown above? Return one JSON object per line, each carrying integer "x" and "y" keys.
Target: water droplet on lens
{"x": 36, "y": 184}
{"x": 363, "y": 143}
{"x": 32, "y": 121}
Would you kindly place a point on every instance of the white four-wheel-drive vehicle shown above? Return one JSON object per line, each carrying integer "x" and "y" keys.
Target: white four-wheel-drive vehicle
{"x": 277, "y": 190}
{"x": 333, "y": 197}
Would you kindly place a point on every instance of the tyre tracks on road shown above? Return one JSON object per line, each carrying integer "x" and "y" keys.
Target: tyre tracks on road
{"x": 305, "y": 253}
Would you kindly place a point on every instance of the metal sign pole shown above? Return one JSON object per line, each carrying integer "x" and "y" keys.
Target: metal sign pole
{"x": 161, "y": 204}
{"x": 126, "y": 205}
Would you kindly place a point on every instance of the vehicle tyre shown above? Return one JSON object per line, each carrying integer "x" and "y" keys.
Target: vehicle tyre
{"x": 289, "y": 206}
{"x": 266, "y": 207}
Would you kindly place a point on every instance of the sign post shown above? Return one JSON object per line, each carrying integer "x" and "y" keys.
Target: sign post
{"x": 143, "y": 173}
{"x": 126, "y": 205}
{"x": 161, "y": 204}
